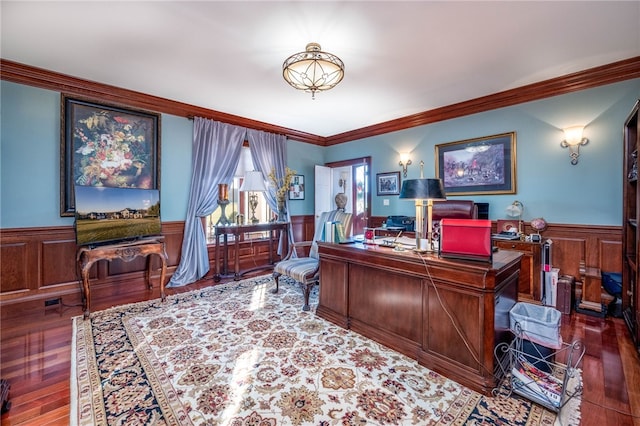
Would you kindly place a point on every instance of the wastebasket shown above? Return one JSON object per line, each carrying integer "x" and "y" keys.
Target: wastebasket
{"x": 538, "y": 324}
{"x": 538, "y": 330}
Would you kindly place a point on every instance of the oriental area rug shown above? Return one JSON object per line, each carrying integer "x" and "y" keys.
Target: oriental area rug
{"x": 236, "y": 354}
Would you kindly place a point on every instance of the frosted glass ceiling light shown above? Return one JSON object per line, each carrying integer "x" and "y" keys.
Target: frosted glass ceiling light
{"x": 313, "y": 70}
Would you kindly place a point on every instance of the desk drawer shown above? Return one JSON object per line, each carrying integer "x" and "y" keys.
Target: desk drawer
{"x": 515, "y": 245}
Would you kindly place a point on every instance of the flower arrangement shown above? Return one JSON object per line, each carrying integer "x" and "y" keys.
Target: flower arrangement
{"x": 111, "y": 151}
{"x": 281, "y": 184}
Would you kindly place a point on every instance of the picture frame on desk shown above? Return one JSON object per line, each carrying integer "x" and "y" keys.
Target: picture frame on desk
{"x": 508, "y": 225}
{"x": 485, "y": 165}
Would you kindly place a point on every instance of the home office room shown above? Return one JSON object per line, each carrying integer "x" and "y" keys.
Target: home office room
{"x": 334, "y": 218}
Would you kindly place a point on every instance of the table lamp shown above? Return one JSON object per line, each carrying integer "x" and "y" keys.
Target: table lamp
{"x": 253, "y": 182}
{"x": 515, "y": 209}
{"x": 423, "y": 190}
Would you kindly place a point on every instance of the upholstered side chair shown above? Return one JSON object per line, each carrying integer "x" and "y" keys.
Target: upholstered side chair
{"x": 305, "y": 270}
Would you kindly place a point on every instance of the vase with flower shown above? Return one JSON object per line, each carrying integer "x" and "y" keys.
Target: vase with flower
{"x": 281, "y": 186}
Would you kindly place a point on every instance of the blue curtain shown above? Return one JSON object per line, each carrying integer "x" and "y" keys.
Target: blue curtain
{"x": 216, "y": 152}
{"x": 269, "y": 152}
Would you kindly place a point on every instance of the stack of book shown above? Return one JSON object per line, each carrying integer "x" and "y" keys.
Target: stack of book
{"x": 536, "y": 384}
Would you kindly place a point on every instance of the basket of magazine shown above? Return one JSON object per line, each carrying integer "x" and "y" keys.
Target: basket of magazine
{"x": 549, "y": 380}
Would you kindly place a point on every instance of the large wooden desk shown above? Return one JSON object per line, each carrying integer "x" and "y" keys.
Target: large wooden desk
{"x": 86, "y": 257}
{"x": 448, "y": 315}
{"x": 237, "y": 231}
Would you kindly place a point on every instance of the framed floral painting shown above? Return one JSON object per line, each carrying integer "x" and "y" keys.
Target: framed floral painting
{"x": 106, "y": 145}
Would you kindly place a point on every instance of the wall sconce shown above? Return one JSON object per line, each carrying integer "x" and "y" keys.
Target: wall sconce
{"x": 572, "y": 140}
{"x": 342, "y": 182}
{"x": 404, "y": 162}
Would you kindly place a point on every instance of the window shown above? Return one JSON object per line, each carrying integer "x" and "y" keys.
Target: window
{"x": 239, "y": 208}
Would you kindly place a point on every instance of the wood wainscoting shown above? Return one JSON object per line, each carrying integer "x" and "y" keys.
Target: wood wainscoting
{"x": 39, "y": 264}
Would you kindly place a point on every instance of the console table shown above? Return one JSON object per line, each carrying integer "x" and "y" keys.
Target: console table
{"x": 87, "y": 256}
{"x": 449, "y": 315}
{"x": 275, "y": 229}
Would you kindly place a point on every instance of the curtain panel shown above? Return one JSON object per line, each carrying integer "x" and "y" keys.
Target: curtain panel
{"x": 216, "y": 153}
{"x": 269, "y": 153}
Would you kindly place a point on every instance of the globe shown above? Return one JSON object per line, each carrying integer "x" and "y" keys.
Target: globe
{"x": 538, "y": 224}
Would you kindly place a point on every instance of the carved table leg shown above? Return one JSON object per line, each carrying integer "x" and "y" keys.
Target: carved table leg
{"x": 163, "y": 271}
{"x": 147, "y": 274}
{"x": 86, "y": 294}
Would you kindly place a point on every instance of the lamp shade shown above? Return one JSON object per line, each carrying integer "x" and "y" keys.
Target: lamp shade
{"x": 573, "y": 135}
{"x": 422, "y": 189}
{"x": 253, "y": 182}
{"x": 245, "y": 164}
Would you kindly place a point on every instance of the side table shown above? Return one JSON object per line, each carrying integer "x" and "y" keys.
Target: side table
{"x": 236, "y": 231}
{"x": 87, "y": 256}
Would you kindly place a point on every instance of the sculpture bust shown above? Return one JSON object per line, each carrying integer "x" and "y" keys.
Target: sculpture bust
{"x": 341, "y": 200}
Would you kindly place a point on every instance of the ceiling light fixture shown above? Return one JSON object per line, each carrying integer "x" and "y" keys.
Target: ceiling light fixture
{"x": 313, "y": 70}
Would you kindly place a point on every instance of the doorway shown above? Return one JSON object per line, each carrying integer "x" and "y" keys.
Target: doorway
{"x": 356, "y": 188}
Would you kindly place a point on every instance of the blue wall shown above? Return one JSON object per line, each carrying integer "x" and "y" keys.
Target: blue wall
{"x": 547, "y": 184}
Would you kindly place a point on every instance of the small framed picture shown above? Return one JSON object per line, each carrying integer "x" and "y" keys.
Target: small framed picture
{"x": 388, "y": 183}
{"x": 296, "y": 188}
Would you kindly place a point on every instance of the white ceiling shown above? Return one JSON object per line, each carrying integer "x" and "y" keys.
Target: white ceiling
{"x": 401, "y": 58}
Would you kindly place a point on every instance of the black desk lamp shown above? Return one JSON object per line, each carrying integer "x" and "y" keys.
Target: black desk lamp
{"x": 422, "y": 190}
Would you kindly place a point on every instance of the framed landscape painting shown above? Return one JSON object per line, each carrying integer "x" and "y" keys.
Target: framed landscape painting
{"x": 106, "y": 145}
{"x": 484, "y": 165}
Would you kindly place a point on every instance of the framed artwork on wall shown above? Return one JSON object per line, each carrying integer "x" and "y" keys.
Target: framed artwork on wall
{"x": 296, "y": 189}
{"x": 106, "y": 145}
{"x": 484, "y": 165}
{"x": 388, "y": 183}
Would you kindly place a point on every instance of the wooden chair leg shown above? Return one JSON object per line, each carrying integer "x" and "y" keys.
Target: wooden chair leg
{"x": 306, "y": 289}
{"x": 276, "y": 275}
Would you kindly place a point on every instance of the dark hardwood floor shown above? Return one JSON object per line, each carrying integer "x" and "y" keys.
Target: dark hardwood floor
{"x": 36, "y": 353}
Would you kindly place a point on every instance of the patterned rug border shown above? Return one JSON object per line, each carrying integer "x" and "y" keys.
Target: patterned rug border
{"x": 468, "y": 404}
